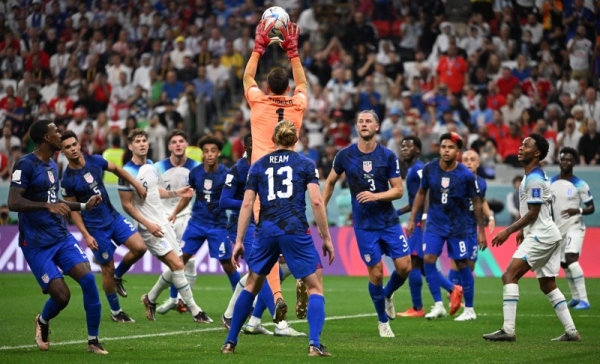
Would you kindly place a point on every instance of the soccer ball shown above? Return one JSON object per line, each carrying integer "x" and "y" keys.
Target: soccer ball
{"x": 278, "y": 16}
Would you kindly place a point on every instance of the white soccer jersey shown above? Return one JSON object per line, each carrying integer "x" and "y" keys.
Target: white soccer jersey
{"x": 535, "y": 189}
{"x": 152, "y": 208}
{"x": 174, "y": 178}
{"x": 568, "y": 194}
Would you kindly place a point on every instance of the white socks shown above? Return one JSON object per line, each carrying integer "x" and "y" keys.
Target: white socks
{"x": 557, "y": 300}
{"x": 190, "y": 272}
{"x": 185, "y": 291}
{"x": 509, "y": 306}
{"x": 164, "y": 281}
{"x": 572, "y": 287}
{"x": 577, "y": 280}
{"x": 238, "y": 290}
{"x": 254, "y": 321}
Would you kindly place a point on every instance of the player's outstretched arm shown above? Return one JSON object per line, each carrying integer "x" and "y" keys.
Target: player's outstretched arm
{"x": 291, "y": 34}
{"x": 329, "y": 186}
{"x": 183, "y": 192}
{"x": 228, "y": 201}
{"x": 261, "y": 42}
{"x": 525, "y": 220}
{"x": 121, "y": 173}
{"x": 318, "y": 207}
{"x": 78, "y": 221}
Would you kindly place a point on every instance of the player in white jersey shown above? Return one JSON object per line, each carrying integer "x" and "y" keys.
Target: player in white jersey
{"x": 538, "y": 241}
{"x": 569, "y": 193}
{"x": 154, "y": 227}
{"x": 175, "y": 172}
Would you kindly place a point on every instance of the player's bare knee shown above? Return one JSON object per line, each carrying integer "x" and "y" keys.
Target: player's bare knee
{"x": 571, "y": 258}
{"x": 416, "y": 262}
{"x": 430, "y": 259}
{"x": 376, "y": 274}
{"x": 509, "y": 277}
{"x": 254, "y": 283}
{"x": 60, "y": 294}
{"x": 547, "y": 284}
{"x": 227, "y": 266}
{"x": 462, "y": 263}
{"x": 403, "y": 266}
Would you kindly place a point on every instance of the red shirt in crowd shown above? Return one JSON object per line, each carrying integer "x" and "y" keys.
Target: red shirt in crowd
{"x": 44, "y": 60}
{"x": 509, "y": 145}
{"x": 541, "y": 87}
{"x": 495, "y": 102}
{"x": 4, "y": 102}
{"x": 451, "y": 71}
{"x": 61, "y": 107}
{"x": 498, "y": 132}
{"x": 505, "y": 86}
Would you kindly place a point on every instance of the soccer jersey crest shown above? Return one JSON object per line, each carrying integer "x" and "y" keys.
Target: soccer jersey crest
{"x": 367, "y": 166}
{"x": 569, "y": 192}
{"x": 88, "y": 177}
{"x": 105, "y": 255}
{"x": 445, "y": 182}
{"x": 45, "y": 278}
{"x": 51, "y": 176}
{"x": 207, "y": 184}
{"x": 367, "y": 256}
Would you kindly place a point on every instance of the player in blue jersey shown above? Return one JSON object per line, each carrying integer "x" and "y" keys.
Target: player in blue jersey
{"x": 281, "y": 180}
{"x": 82, "y": 179}
{"x": 452, "y": 188}
{"x": 208, "y": 221}
{"x": 175, "y": 172}
{"x": 538, "y": 241}
{"x": 411, "y": 151}
{"x": 231, "y": 199}
{"x": 370, "y": 170}
{"x": 46, "y": 243}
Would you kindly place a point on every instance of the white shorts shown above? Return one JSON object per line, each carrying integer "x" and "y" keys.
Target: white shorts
{"x": 572, "y": 241}
{"x": 159, "y": 247}
{"x": 179, "y": 226}
{"x": 544, "y": 259}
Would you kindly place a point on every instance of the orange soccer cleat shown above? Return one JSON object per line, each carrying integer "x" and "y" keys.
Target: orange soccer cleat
{"x": 456, "y": 299}
{"x": 411, "y": 312}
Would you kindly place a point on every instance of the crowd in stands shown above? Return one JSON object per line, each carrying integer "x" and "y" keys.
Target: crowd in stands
{"x": 491, "y": 70}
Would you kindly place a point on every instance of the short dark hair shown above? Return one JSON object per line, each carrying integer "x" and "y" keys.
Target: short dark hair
{"x": 278, "y": 81}
{"x": 210, "y": 139}
{"x": 247, "y": 138}
{"x": 571, "y": 151}
{"x": 415, "y": 139}
{"x": 136, "y": 133}
{"x": 453, "y": 137}
{"x": 68, "y": 134}
{"x": 38, "y": 130}
{"x": 177, "y": 132}
{"x": 541, "y": 144}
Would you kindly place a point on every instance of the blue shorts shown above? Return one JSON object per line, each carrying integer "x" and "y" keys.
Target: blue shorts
{"x": 373, "y": 243}
{"x": 44, "y": 262}
{"x": 415, "y": 242}
{"x": 119, "y": 231}
{"x": 219, "y": 247}
{"x": 457, "y": 247}
{"x": 299, "y": 251}
{"x": 248, "y": 239}
{"x": 472, "y": 247}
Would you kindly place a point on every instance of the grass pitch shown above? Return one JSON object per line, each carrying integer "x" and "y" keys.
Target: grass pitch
{"x": 350, "y": 331}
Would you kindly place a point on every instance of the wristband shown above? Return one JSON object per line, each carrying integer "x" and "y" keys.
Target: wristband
{"x": 83, "y": 206}
{"x": 491, "y": 217}
{"x": 581, "y": 211}
{"x": 424, "y": 216}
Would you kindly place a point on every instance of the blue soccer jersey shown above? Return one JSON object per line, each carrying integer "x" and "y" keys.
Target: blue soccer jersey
{"x": 413, "y": 183}
{"x": 449, "y": 199}
{"x": 84, "y": 183}
{"x": 235, "y": 186}
{"x": 280, "y": 179}
{"x": 369, "y": 172}
{"x": 208, "y": 188}
{"x": 40, "y": 181}
{"x": 472, "y": 225}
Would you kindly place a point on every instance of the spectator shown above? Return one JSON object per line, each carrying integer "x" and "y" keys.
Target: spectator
{"x": 12, "y": 64}
{"x": 337, "y": 130}
{"x": 589, "y": 146}
{"x": 157, "y": 134}
{"x": 218, "y": 74}
{"x": 522, "y": 71}
{"x": 591, "y": 105}
{"x": 325, "y": 163}
{"x": 114, "y": 70}
{"x": 100, "y": 91}
{"x": 542, "y": 128}
{"x": 580, "y": 49}
{"x": 170, "y": 118}
{"x": 101, "y": 133}
{"x": 452, "y": 70}
{"x": 495, "y": 100}
{"x": 575, "y": 15}
{"x": 305, "y": 149}
{"x": 172, "y": 89}
{"x": 512, "y": 200}
{"x": 569, "y": 137}
{"x": 536, "y": 86}
{"x": 506, "y": 82}
{"x": 79, "y": 122}
{"x": 567, "y": 85}
{"x": 8, "y": 140}
{"x": 141, "y": 76}
{"x": 313, "y": 125}
{"x": 508, "y": 147}
{"x": 483, "y": 114}
{"x": 498, "y": 129}
{"x": 233, "y": 60}
{"x": 340, "y": 92}
{"x": 179, "y": 53}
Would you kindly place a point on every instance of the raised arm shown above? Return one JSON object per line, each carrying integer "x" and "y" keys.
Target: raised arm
{"x": 261, "y": 41}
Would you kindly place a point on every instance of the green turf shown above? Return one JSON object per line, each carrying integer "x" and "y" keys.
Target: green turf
{"x": 350, "y": 339}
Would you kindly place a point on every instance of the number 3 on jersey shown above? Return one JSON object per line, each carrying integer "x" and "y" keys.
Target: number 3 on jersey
{"x": 287, "y": 182}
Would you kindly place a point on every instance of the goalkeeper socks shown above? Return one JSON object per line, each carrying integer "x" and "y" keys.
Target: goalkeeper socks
{"x": 242, "y": 309}
{"x": 557, "y": 300}
{"x": 432, "y": 276}
{"x": 234, "y": 278}
{"x": 378, "y": 297}
{"x": 91, "y": 303}
{"x": 315, "y": 316}
{"x": 415, "y": 282}
{"x": 51, "y": 310}
{"x": 113, "y": 302}
{"x": 468, "y": 285}
{"x": 509, "y": 306}
{"x": 396, "y": 281}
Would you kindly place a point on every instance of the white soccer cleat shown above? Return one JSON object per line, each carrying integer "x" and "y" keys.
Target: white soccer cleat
{"x": 436, "y": 312}
{"x": 167, "y": 306}
{"x": 466, "y": 316}
{"x": 284, "y": 329}
{"x": 385, "y": 330}
{"x": 256, "y": 330}
{"x": 390, "y": 311}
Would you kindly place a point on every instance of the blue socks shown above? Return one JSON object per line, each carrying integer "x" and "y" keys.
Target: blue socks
{"x": 265, "y": 300}
{"x": 395, "y": 282}
{"x": 415, "y": 282}
{"x": 121, "y": 269}
{"x": 113, "y": 302}
{"x": 468, "y": 284}
{"x": 241, "y": 310}
{"x": 173, "y": 292}
{"x": 316, "y": 318}
{"x": 52, "y": 309}
{"x": 378, "y": 297}
{"x": 445, "y": 283}
{"x": 454, "y": 277}
{"x": 91, "y": 303}
{"x": 433, "y": 280}
{"x": 234, "y": 278}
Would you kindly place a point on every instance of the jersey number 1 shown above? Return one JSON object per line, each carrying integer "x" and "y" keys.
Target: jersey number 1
{"x": 279, "y": 113}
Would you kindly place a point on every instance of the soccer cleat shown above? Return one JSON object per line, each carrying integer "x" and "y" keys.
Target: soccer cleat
{"x": 318, "y": 351}
{"x": 455, "y": 299}
{"x": 573, "y": 303}
{"x": 411, "y": 312}
{"x": 256, "y": 330}
{"x": 42, "y": 334}
{"x": 150, "y": 308}
{"x": 167, "y": 306}
{"x": 228, "y": 348}
{"x": 500, "y": 335}
{"x": 582, "y": 305}
{"x": 284, "y": 329}
{"x": 568, "y": 337}
{"x": 390, "y": 310}
{"x": 202, "y": 318}
{"x": 436, "y": 312}
{"x": 301, "y": 300}
{"x": 385, "y": 330}
{"x": 280, "y": 311}
{"x": 121, "y": 317}
{"x": 226, "y": 322}
{"x": 95, "y": 347}
{"x": 466, "y": 316}
{"x": 181, "y": 306}
{"x": 120, "y": 288}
